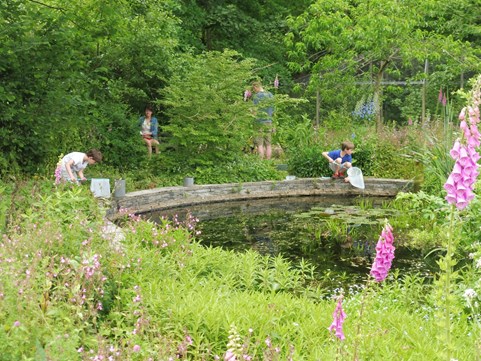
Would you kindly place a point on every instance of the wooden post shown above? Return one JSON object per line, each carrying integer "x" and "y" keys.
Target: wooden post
{"x": 424, "y": 92}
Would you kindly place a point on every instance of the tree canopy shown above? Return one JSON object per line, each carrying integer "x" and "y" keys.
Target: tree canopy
{"x": 77, "y": 74}
{"x": 349, "y": 42}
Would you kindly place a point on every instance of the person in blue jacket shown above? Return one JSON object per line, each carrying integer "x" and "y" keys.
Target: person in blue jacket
{"x": 149, "y": 130}
{"x": 340, "y": 160}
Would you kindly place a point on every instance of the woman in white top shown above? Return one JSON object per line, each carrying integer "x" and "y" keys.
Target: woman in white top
{"x": 149, "y": 127}
{"x": 76, "y": 162}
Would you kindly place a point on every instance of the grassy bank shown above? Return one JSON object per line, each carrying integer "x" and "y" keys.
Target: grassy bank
{"x": 67, "y": 292}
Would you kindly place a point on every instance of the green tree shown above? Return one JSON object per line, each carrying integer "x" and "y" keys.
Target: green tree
{"x": 209, "y": 121}
{"x": 73, "y": 71}
{"x": 349, "y": 42}
{"x": 252, "y": 28}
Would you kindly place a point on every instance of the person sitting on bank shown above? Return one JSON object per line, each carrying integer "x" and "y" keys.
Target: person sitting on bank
{"x": 340, "y": 160}
{"x": 149, "y": 128}
{"x": 73, "y": 164}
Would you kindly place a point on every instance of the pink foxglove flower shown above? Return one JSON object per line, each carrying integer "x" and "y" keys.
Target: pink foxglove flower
{"x": 229, "y": 356}
{"x": 460, "y": 183}
{"x": 338, "y": 319}
{"x": 444, "y": 100}
{"x": 384, "y": 254}
{"x": 247, "y": 94}
{"x": 440, "y": 95}
{"x": 276, "y": 82}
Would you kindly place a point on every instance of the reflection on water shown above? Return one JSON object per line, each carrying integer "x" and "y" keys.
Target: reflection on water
{"x": 289, "y": 227}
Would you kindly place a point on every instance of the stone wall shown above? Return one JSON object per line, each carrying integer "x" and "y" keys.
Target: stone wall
{"x": 171, "y": 197}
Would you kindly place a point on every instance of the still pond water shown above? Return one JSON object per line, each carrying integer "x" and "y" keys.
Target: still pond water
{"x": 337, "y": 235}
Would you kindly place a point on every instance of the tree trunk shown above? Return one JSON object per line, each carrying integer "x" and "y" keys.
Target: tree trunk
{"x": 378, "y": 96}
{"x": 378, "y": 93}
{"x": 424, "y": 92}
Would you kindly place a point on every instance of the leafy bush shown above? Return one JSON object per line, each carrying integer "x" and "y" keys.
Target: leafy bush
{"x": 293, "y": 133}
{"x": 437, "y": 164}
{"x": 209, "y": 123}
{"x": 308, "y": 161}
{"x": 249, "y": 168}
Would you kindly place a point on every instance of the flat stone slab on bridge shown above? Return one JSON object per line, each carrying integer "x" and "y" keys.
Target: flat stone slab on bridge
{"x": 172, "y": 197}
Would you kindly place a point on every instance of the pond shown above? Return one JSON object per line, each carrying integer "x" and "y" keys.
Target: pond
{"x": 337, "y": 235}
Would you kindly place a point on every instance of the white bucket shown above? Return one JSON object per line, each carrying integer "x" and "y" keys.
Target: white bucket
{"x": 355, "y": 177}
{"x": 100, "y": 187}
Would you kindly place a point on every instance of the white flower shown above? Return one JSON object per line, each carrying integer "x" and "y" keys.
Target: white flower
{"x": 470, "y": 294}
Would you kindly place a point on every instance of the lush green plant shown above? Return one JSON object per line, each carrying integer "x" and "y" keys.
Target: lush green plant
{"x": 68, "y": 293}
{"x": 308, "y": 161}
{"x": 209, "y": 121}
{"x": 248, "y": 168}
{"x": 436, "y": 161}
{"x": 294, "y": 133}
{"x": 382, "y": 154}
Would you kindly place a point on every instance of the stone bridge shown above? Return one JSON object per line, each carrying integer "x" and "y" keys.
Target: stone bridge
{"x": 165, "y": 198}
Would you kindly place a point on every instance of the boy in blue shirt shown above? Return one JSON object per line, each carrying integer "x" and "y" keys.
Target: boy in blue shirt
{"x": 340, "y": 160}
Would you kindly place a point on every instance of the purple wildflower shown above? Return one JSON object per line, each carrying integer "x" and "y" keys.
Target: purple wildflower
{"x": 229, "y": 356}
{"x": 384, "y": 254}
{"x": 136, "y": 348}
{"x": 276, "y": 82}
{"x": 338, "y": 319}
{"x": 444, "y": 100}
{"x": 247, "y": 94}
{"x": 58, "y": 174}
{"x": 440, "y": 95}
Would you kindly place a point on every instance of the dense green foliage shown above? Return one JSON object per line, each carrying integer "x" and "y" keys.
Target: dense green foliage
{"x": 71, "y": 291}
{"x": 76, "y": 75}
{"x": 353, "y": 48}
{"x": 209, "y": 122}
{"x": 71, "y": 72}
